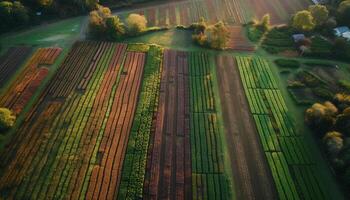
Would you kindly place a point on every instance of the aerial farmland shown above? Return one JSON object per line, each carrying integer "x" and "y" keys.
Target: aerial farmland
{"x": 175, "y": 99}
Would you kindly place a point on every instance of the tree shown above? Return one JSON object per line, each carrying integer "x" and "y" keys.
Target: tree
{"x": 91, "y": 4}
{"x": 344, "y": 13}
{"x": 341, "y": 48}
{"x": 97, "y": 20}
{"x": 321, "y": 116}
{"x": 7, "y": 119}
{"x": 334, "y": 142}
{"x": 303, "y": 21}
{"x": 265, "y": 22}
{"x": 319, "y": 13}
{"x": 20, "y": 13}
{"x": 115, "y": 28}
{"x": 218, "y": 35}
{"x": 136, "y": 24}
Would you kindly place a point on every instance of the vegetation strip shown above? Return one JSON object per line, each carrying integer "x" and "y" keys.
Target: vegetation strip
{"x": 134, "y": 166}
{"x": 285, "y": 150}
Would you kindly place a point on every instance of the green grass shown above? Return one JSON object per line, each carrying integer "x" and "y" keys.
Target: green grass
{"x": 61, "y": 34}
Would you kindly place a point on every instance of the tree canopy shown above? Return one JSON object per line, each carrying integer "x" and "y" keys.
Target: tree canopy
{"x": 319, "y": 13}
{"x": 303, "y": 21}
{"x": 7, "y": 119}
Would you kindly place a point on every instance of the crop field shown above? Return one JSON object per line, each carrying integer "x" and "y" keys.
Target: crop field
{"x": 238, "y": 41}
{"x": 186, "y": 158}
{"x": 22, "y": 89}
{"x": 280, "y": 11}
{"x": 72, "y": 143}
{"x": 11, "y": 61}
{"x": 208, "y": 177}
{"x": 293, "y": 168}
{"x": 187, "y": 12}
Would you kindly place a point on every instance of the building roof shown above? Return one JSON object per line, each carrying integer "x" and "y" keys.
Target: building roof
{"x": 298, "y": 37}
{"x": 340, "y": 30}
{"x": 346, "y": 35}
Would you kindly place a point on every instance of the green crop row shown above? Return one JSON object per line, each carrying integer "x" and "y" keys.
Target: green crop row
{"x": 134, "y": 166}
{"x": 208, "y": 178}
{"x": 285, "y": 149}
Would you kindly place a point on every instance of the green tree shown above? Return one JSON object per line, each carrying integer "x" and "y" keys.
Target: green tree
{"x": 20, "y": 13}
{"x": 319, "y": 13}
{"x": 303, "y": 21}
{"x": 97, "y": 20}
{"x": 344, "y": 12}
{"x": 7, "y": 119}
{"x": 136, "y": 24}
{"x": 265, "y": 22}
{"x": 115, "y": 28}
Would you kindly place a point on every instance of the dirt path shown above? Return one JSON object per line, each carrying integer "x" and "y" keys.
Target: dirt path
{"x": 250, "y": 170}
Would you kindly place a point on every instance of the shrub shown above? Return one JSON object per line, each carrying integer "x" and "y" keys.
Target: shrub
{"x": 217, "y": 35}
{"x": 303, "y": 21}
{"x": 321, "y": 117}
{"x": 334, "y": 142}
{"x": 136, "y": 24}
{"x": 287, "y": 63}
{"x": 345, "y": 84}
{"x": 7, "y": 119}
{"x": 115, "y": 28}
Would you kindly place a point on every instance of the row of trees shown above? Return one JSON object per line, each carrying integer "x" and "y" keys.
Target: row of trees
{"x": 323, "y": 17}
{"x": 331, "y": 122}
{"x": 103, "y": 24}
{"x": 14, "y": 14}
{"x": 214, "y": 36}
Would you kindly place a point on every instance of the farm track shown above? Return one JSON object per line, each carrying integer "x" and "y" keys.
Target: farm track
{"x": 66, "y": 139}
{"x": 21, "y": 90}
{"x": 169, "y": 168}
{"x": 11, "y": 61}
{"x": 252, "y": 177}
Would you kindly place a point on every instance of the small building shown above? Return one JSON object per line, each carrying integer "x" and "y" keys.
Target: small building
{"x": 298, "y": 37}
{"x": 339, "y": 31}
{"x": 346, "y": 36}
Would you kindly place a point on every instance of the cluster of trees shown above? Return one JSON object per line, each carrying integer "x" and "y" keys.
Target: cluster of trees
{"x": 323, "y": 17}
{"x": 331, "y": 122}
{"x": 7, "y": 119}
{"x": 14, "y": 14}
{"x": 214, "y": 36}
{"x": 103, "y": 24}
{"x": 315, "y": 16}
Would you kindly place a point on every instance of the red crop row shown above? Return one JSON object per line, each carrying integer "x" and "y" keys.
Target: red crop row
{"x": 21, "y": 90}
{"x": 169, "y": 164}
{"x": 11, "y": 61}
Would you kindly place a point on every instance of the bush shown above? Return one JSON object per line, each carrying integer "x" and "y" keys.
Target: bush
{"x": 345, "y": 84}
{"x": 334, "y": 142}
{"x": 115, "y": 28}
{"x": 254, "y": 34}
{"x": 321, "y": 117}
{"x": 136, "y": 24}
{"x": 287, "y": 63}
{"x": 7, "y": 119}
